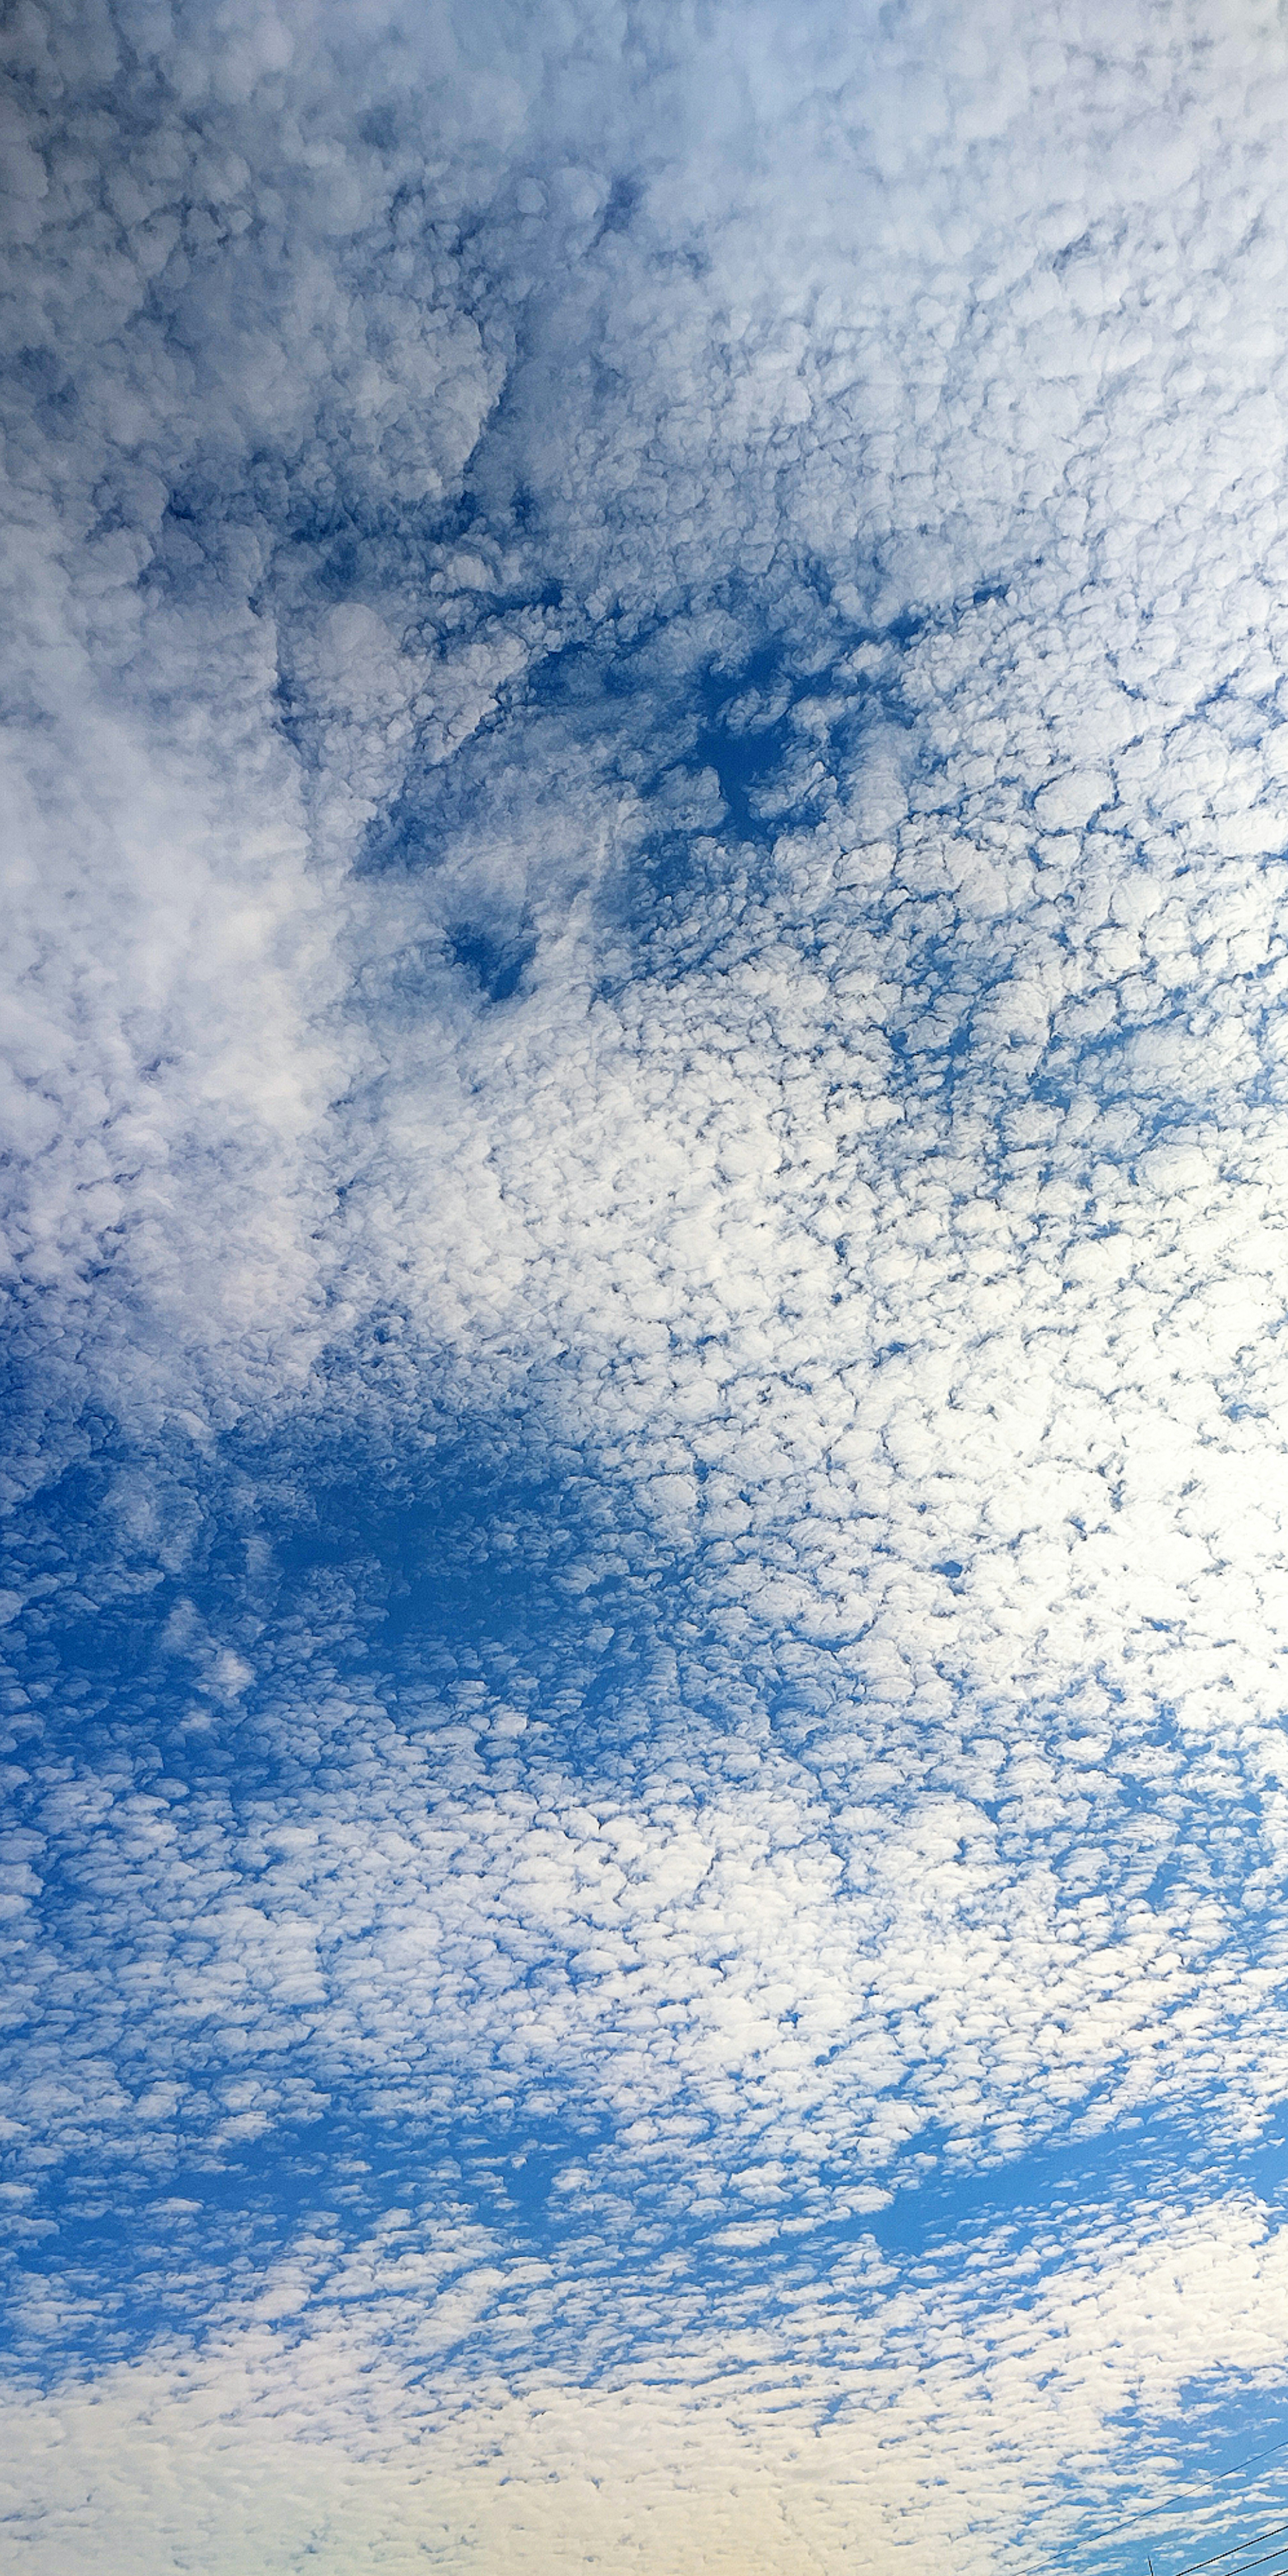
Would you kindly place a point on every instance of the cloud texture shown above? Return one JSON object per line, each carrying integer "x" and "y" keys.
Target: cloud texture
{"x": 644, "y": 1216}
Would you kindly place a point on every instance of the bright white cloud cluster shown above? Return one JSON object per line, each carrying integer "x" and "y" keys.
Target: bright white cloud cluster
{"x": 930, "y": 2424}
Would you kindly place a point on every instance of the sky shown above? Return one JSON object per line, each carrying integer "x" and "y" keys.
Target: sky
{"x": 644, "y": 1449}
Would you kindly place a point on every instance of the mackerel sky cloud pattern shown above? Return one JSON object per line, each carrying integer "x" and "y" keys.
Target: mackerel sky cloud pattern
{"x": 645, "y": 1214}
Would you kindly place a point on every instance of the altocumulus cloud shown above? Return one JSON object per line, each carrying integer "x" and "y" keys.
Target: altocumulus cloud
{"x": 646, "y": 1605}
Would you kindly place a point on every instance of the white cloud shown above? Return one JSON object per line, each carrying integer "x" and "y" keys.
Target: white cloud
{"x": 945, "y": 2420}
{"x": 649, "y": 826}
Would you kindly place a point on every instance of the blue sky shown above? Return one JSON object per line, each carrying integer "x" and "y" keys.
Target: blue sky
{"x": 645, "y": 1209}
